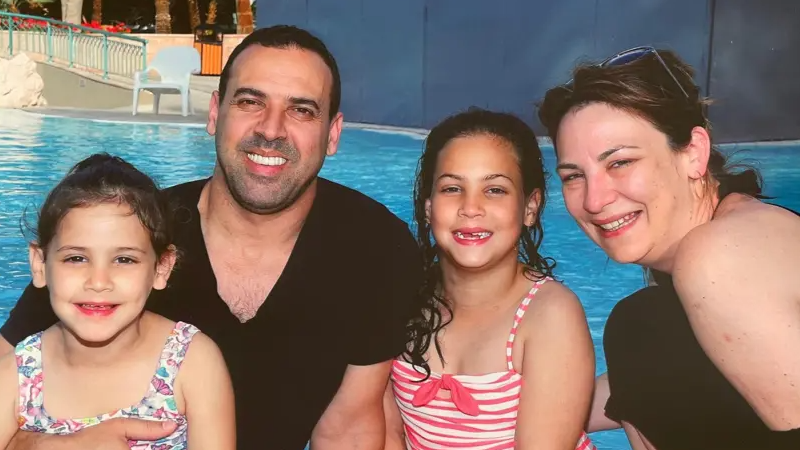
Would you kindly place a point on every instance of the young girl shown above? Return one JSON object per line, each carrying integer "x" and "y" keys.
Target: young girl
{"x": 103, "y": 242}
{"x": 502, "y": 358}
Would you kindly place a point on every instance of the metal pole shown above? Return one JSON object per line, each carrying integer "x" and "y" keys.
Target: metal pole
{"x": 49, "y": 42}
{"x": 105, "y": 56}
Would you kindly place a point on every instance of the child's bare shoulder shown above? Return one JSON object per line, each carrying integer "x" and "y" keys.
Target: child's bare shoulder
{"x": 201, "y": 355}
{"x": 553, "y": 303}
{"x": 202, "y": 366}
{"x": 201, "y": 348}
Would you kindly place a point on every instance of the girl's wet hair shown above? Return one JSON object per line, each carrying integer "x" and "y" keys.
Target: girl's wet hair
{"x": 474, "y": 122}
{"x": 644, "y": 87}
{"x": 99, "y": 179}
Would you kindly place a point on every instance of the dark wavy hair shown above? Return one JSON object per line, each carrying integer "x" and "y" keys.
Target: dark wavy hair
{"x": 102, "y": 178}
{"x": 473, "y": 122}
{"x": 643, "y": 87}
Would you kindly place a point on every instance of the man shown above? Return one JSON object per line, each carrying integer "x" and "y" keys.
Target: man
{"x": 304, "y": 284}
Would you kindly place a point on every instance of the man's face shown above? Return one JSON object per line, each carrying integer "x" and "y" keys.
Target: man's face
{"x": 272, "y": 127}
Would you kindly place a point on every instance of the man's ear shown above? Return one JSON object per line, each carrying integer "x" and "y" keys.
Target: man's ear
{"x": 164, "y": 267}
{"x": 213, "y": 113}
{"x": 36, "y": 259}
{"x": 334, "y": 133}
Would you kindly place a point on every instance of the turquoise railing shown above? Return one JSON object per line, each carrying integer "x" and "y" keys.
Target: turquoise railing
{"x": 73, "y": 45}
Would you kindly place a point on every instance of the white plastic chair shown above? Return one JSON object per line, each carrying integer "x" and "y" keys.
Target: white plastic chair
{"x": 175, "y": 65}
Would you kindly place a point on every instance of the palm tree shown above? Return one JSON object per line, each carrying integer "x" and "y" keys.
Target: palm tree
{"x": 244, "y": 17}
{"x": 97, "y": 11}
{"x": 163, "y": 19}
{"x": 194, "y": 14}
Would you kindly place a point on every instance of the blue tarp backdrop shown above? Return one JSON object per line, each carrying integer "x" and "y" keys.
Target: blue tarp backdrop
{"x": 413, "y": 62}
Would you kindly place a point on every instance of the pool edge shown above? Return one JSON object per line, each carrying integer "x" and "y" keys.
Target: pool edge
{"x": 420, "y": 133}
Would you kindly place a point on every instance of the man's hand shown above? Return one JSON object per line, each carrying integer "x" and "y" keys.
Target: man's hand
{"x": 111, "y": 435}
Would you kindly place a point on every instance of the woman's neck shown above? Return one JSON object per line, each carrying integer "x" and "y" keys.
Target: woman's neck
{"x": 78, "y": 353}
{"x": 703, "y": 211}
{"x": 480, "y": 289}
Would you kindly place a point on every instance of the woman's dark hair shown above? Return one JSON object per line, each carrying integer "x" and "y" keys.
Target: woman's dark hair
{"x": 644, "y": 87}
{"x": 473, "y": 122}
{"x": 102, "y": 178}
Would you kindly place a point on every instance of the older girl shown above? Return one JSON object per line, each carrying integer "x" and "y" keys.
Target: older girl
{"x": 503, "y": 358}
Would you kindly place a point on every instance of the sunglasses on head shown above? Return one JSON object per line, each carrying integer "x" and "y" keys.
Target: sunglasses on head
{"x": 633, "y": 54}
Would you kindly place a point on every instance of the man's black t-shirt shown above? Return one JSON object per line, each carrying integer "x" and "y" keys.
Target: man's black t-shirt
{"x": 343, "y": 298}
{"x": 662, "y": 382}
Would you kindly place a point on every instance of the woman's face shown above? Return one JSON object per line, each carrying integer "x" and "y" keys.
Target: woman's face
{"x": 627, "y": 189}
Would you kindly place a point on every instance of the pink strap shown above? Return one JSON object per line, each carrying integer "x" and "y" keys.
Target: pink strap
{"x": 518, "y": 318}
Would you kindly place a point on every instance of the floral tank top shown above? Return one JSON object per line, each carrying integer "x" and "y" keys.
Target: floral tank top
{"x": 157, "y": 404}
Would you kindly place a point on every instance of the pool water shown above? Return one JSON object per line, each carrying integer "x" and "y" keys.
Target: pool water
{"x": 35, "y": 152}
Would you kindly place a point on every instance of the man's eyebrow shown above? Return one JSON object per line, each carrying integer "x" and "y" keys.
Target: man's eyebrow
{"x": 303, "y": 101}
{"x": 249, "y": 91}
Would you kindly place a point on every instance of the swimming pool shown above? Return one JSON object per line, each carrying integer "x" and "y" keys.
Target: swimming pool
{"x": 35, "y": 152}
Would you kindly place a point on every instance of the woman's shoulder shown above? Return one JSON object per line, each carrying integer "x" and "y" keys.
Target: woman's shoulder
{"x": 748, "y": 241}
{"x": 742, "y": 227}
{"x": 742, "y": 209}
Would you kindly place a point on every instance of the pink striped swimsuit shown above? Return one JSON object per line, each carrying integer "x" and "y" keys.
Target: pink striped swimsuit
{"x": 480, "y": 411}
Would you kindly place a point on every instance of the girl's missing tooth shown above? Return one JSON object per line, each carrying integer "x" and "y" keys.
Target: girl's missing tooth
{"x": 103, "y": 242}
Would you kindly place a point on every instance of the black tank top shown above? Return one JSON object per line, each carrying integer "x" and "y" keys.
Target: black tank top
{"x": 662, "y": 382}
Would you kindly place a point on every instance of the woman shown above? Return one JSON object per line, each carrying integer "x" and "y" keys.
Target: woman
{"x": 709, "y": 355}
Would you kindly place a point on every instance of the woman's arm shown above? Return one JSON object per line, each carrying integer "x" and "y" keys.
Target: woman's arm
{"x": 737, "y": 279}
{"x": 637, "y": 441}
{"x": 206, "y": 388}
{"x": 558, "y": 372}
{"x": 395, "y": 437}
{"x": 598, "y": 421}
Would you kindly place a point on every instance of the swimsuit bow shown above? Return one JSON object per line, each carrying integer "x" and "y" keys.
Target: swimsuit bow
{"x": 460, "y": 395}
